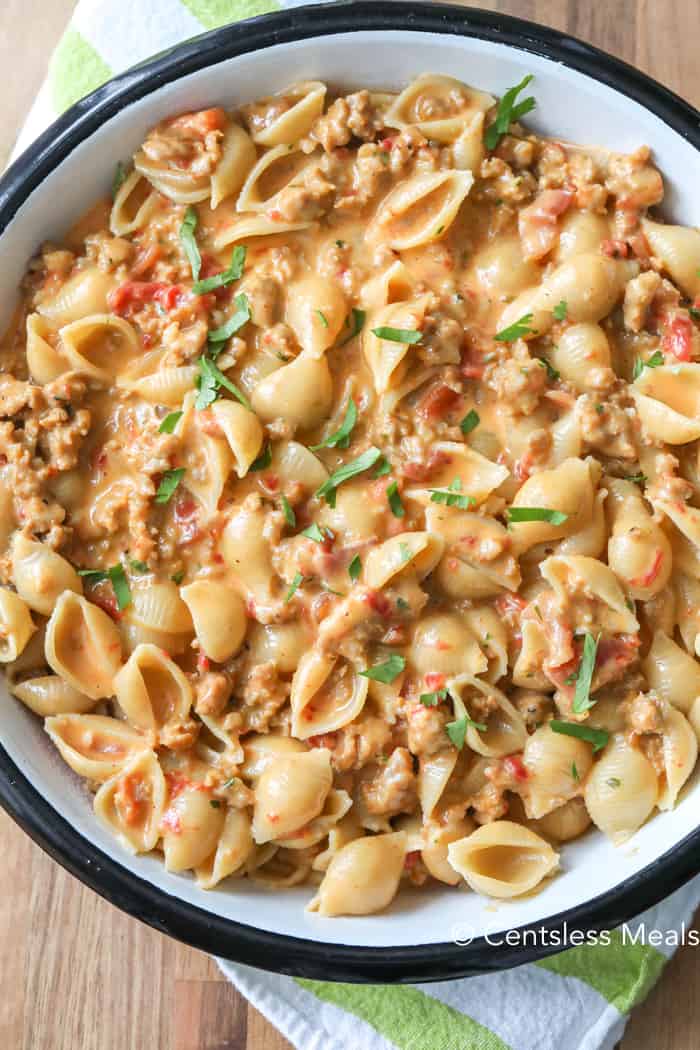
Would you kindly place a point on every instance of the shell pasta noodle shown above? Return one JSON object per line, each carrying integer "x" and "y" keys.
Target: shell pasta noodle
{"x": 350, "y": 492}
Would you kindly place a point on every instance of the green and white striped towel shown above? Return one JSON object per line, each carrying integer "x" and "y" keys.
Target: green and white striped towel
{"x": 578, "y": 999}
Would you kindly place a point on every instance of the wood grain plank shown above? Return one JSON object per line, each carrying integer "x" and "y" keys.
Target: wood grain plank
{"x": 76, "y": 974}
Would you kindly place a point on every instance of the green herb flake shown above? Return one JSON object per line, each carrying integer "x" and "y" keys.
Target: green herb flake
{"x": 315, "y": 532}
{"x": 263, "y": 461}
{"x": 355, "y": 568}
{"x": 470, "y": 422}
{"x": 597, "y": 737}
{"x": 452, "y": 496}
{"x": 398, "y": 335}
{"x": 433, "y": 699}
{"x": 349, "y": 470}
{"x": 120, "y": 177}
{"x": 209, "y": 380}
{"x": 394, "y": 498}
{"x": 509, "y": 111}
{"x": 168, "y": 483}
{"x": 170, "y": 422}
{"x": 235, "y": 322}
{"x": 296, "y": 584}
{"x": 575, "y": 773}
{"x": 694, "y": 313}
{"x": 405, "y": 552}
{"x": 386, "y": 672}
{"x": 552, "y": 373}
{"x": 341, "y": 437}
{"x": 189, "y": 241}
{"x": 220, "y": 280}
{"x": 138, "y": 566}
{"x": 582, "y": 701}
{"x": 613, "y": 782}
{"x": 322, "y": 317}
{"x": 356, "y": 320}
{"x": 554, "y": 517}
{"x": 637, "y": 479}
{"x": 402, "y": 604}
{"x": 457, "y": 731}
{"x": 289, "y": 515}
{"x": 178, "y": 577}
{"x": 382, "y": 468}
{"x": 655, "y": 361}
{"x": 516, "y": 330}
{"x": 117, "y": 577}
{"x": 215, "y": 803}
{"x": 559, "y": 311}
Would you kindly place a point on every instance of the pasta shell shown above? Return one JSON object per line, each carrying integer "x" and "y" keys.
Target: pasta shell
{"x": 444, "y": 643}
{"x": 247, "y": 553}
{"x": 95, "y": 746}
{"x": 242, "y": 431}
{"x": 284, "y": 868}
{"x": 346, "y": 830}
{"x": 556, "y": 764}
{"x": 527, "y": 670}
{"x": 297, "y": 110}
{"x": 159, "y": 607}
{"x": 316, "y": 312}
{"x": 41, "y": 575}
{"x": 502, "y": 859}
{"x": 191, "y": 828}
{"x": 438, "y": 106}
{"x": 80, "y": 296}
{"x": 178, "y": 184}
{"x": 489, "y": 630}
{"x": 99, "y": 346}
{"x": 478, "y": 477}
{"x": 326, "y": 694}
{"x": 337, "y": 804}
{"x": 233, "y": 849}
{"x": 621, "y": 791}
{"x": 678, "y": 248}
{"x": 165, "y": 386}
{"x": 576, "y": 574}
{"x": 151, "y": 689}
{"x": 16, "y": 625}
{"x": 680, "y": 752}
{"x": 301, "y": 393}
{"x": 388, "y": 359}
{"x": 502, "y": 269}
{"x": 463, "y": 572}
{"x": 484, "y": 704}
{"x": 565, "y": 822}
{"x": 219, "y": 617}
{"x": 363, "y": 876}
{"x": 290, "y": 793}
{"x": 412, "y": 553}
{"x": 672, "y": 672}
{"x": 420, "y": 209}
{"x": 237, "y": 158}
{"x": 394, "y": 285}
{"x": 274, "y": 170}
{"x": 434, "y": 851}
{"x": 292, "y": 461}
{"x": 579, "y": 349}
{"x": 132, "y": 802}
{"x": 568, "y": 488}
{"x": 43, "y": 361}
{"x": 260, "y": 749}
{"x": 283, "y": 644}
{"x": 253, "y": 226}
{"x": 668, "y": 402}
{"x": 134, "y": 204}
{"x": 49, "y": 695}
{"x": 433, "y": 776}
{"x": 83, "y": 645}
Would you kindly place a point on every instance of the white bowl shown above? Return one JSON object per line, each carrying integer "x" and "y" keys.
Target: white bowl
{"x": 582, "y": 95}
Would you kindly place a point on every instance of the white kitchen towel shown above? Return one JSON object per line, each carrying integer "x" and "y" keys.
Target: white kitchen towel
{"x": 578, "y": 999}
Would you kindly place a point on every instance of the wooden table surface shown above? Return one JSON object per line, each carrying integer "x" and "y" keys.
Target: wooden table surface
{"x": 76, "y": 974}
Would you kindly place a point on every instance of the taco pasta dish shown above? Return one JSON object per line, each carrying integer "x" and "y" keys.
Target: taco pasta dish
{"x": 350, "y": 495}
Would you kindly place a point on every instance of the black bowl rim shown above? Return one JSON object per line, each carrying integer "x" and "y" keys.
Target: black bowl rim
{"x": 232, "y": 940}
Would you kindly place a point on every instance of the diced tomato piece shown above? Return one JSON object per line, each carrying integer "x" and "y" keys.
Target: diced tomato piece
{"x": 379, "y": 603}
{"x": 203, "y": 662}
{"x": 435, "y": 681}
{"x": 327, "y": 740}
{"x": 509, "y": 603}
{"x": 146, "y": 258}
{"x": 513, "y": 764}
{"x": 185, "y": 508}
{"x": 615, "y": 249}
{"x": 537, "y": 224}
{"x": 678, "y": 338}
{"x": 131, "y": 295}
{"x": 107, "y": 601}
{"x": 438, "y": 402}
{"x": 201, "y": 122}
{"x": 417, "y": 471}
{"x": 411, "y": 859}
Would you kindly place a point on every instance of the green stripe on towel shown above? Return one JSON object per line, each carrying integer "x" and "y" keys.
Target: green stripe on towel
{"x": 622, "y": 973}
{"x": 215, "y": 13}
{"x": 407, "y": 1017}
{"x": 75, "y": 70}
